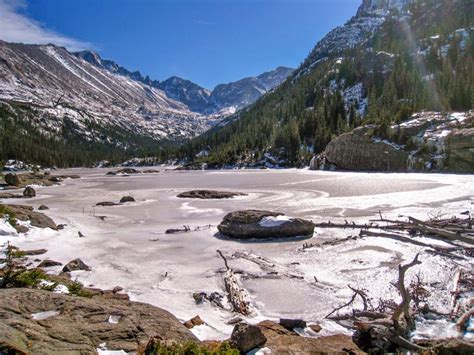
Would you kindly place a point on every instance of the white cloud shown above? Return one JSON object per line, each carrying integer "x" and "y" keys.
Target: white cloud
{"x": 17, "y": 27}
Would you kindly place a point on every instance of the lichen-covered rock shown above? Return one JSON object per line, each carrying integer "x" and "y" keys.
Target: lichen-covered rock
{"x": 42, "y": 322}
{"x": 358, "y": 151}
{"x": 263, "y": 225}
{"x": 26, "y": 213}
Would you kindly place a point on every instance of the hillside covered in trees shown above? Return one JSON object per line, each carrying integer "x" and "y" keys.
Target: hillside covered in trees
{"x": 415, "y": 57}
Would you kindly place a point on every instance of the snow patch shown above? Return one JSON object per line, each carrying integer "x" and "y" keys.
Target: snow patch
{"x": 272, "y": 221}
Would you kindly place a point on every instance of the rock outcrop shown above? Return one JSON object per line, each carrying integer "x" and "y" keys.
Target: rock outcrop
{"x": 246, "y": 337}
{"x": 209, "y": 194}
{"x": 358, "y": 151}
{"x": 428, "y": 141}
{"x": 36, "y": 219}
{"x": 460, "y": 151}
{"x": 43, "y": 322}
{"x": 263, "y": 225}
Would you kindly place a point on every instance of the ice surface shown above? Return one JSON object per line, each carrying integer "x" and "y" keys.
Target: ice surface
{"x": 165, "y": 273}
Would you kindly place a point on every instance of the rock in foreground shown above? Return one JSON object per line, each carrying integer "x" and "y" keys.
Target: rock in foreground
{"x": 282, "y": 341}
{"x": 42, "y": 322}
{"x": 263, "y": 225}
{"x": 209, "y": 194}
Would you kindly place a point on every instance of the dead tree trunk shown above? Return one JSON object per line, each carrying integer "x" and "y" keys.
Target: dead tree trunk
{"x": 238, "y": 296}
{"x": 403, "y": 309}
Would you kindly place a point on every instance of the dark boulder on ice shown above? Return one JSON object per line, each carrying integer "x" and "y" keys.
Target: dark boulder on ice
{"x": 43, "y": 208}
{"x": 291, "y": 324}
{"x": 263, "y": 225}
{"x": 29, "y": 192}
{"x": 43, "y": 322}
{"x": 246, "y": 337}
{"x": 49, "y": 263}
{"x": 75, "y": 265}
{"x": 209, "y": 194}
{"x": 12, "y": 179}
{"x": 125, "y": 199}
{"x": 124, "y": 171}
{"x": 107, "y": 204}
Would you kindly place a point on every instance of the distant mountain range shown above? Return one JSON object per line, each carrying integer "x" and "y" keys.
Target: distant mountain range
{"x": 224, "y": 98}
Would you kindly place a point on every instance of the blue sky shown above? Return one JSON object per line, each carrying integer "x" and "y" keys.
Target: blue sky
{"x": 206, "y": 41}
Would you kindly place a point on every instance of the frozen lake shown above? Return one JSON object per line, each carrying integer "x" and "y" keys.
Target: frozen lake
{"x": 166, "y": 272}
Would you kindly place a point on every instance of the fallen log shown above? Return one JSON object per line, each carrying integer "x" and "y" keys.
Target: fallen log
{"x": 427, "y": 229}
{"x": 238, "y": 296}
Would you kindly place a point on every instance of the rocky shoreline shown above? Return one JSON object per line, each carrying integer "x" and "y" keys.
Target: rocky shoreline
{"x": 40, "y": 306}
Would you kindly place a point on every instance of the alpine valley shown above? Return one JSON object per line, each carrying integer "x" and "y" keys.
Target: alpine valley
{"x": 392, "y": 89}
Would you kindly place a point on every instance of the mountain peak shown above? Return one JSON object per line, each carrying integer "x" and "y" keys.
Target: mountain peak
{"x": 371, "y": 6}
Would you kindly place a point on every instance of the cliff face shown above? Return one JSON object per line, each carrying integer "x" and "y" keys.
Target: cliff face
{"x": 428, "y": 141}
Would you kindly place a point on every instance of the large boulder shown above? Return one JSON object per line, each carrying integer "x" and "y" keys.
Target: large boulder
{"x": 246, "y": 337}
{"x": 12, "y": 179}
{"x": 358, "y": 151}
{"x": 209, "y": 194}
{"x": 460, "y": 151}
{"x": 263, "y": 225}
{"x": 42, "y": 322}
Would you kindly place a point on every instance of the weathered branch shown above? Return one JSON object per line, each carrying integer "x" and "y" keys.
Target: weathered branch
{"x": 404, "y": 307}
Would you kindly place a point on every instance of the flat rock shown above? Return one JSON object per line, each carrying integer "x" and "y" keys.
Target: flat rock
{"x": 77, "y": 325}
{"x": 263, "y": 225}
{"x": 37, "y": 219}
{"x": 124, "y": 171}
{"x": 49, "y": 263}
{"x": 107, "y": 204}
{"x": 209, "y": 194}
{"x": 282, "y": 341}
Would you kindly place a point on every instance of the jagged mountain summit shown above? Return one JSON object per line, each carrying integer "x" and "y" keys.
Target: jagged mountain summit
{"x": 224, "y": 99}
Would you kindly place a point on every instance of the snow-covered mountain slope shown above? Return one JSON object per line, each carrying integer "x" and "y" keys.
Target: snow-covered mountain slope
{"x": 246, "y": 91}
{"x": 223, "y": 100}
{"x": 65, "y": 85}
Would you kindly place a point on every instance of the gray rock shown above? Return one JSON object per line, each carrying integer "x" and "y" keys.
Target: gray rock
{"x": 43, "y": 207}
{"x": 76, "y": 264}
{"x": 78, "y": 325}
{"x": 357, "y": 151}
{"x": 37, "y": 219}
{"x": 246, "y": 225}
{"x": 29, "y": 192}
{"x": 12, "y": 179}
{"x": 246, "y": 337}
{"x": 291, "y": 324}
{"x": 49, "y": 263}
{"x": 107, "y": 204}
{"x": 125, "y": 199}
{"x": 209, "y": 194}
